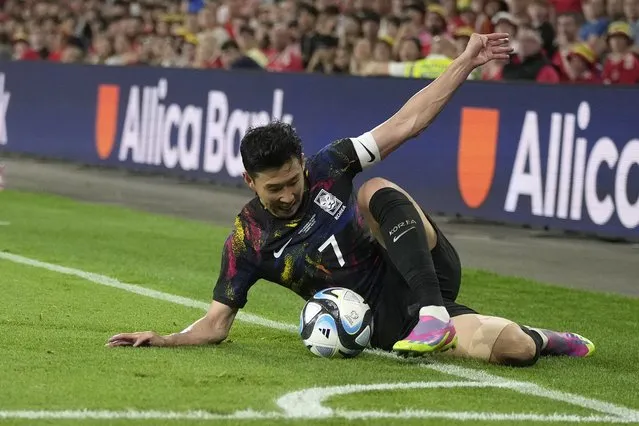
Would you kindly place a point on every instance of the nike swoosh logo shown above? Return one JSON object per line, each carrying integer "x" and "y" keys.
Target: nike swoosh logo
{"x": 369, "y": 152}
{"x": 397, "y": 237}
{"x": 278, "y": 253}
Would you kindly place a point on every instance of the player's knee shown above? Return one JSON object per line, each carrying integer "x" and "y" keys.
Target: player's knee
{"x": 368, "y": 189}
{"x": 515, "y": 348}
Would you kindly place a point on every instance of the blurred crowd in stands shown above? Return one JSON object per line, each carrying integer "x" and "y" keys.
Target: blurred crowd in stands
{"x": 556, "y": 41}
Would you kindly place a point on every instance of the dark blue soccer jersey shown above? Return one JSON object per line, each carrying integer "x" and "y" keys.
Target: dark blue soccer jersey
{"x": 325, "y": 245}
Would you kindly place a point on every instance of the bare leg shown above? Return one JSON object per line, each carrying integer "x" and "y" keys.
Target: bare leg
{"x": 493, "y": 339}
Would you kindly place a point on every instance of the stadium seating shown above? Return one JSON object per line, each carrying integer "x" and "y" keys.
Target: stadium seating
{"x": 556, "y": 41}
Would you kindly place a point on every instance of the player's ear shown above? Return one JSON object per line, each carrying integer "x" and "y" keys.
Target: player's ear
{"x": 249, "y": 181}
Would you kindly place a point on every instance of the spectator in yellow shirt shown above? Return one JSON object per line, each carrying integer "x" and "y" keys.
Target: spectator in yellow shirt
{"x": 247, "y": 42}
{"x": 443, "y": 51}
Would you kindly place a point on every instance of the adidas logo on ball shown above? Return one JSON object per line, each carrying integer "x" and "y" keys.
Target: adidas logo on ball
{"x": 336, "y": 321}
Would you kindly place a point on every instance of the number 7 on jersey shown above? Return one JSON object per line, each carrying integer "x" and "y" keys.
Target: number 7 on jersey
{"x": 338, "y": 253}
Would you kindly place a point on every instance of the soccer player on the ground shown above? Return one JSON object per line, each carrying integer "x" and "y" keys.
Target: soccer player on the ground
{"x": 307, "y": 230}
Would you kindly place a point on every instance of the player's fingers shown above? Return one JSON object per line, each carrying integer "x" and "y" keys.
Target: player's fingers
{"x": 499, "y": 42}
{"x": 501, "y": 56}
{"x": 505, "y": 49}
{"x": 140, "y": 341}
{"x": 120, "y": 337}
{"x": 497, "y": 36}
{"x": 116, "y": 343}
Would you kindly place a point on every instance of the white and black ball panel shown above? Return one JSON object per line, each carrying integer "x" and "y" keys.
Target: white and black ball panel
{"x": 336, "y": 321}
{"x": 354, "y": 340}
{"x": 324, "y": 339}
{"x": 311, "y": 313}
{"x": 351, "y": 316}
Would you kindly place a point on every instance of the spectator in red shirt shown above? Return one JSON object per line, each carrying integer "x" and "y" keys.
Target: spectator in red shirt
{"x": 283, "y": 55}
{"x": 567, "y": 37}
{"x": 20, "y": 46}
{"x": 56, "y": 44}
{"x": 566, "y": 6}
{"x": 37, "y": 48}
{"x": 230, "y": 12}
{"x": 582, "y": 65}
{"x": 531, "y": 63}
{"x": 621, "y": 65}
{"x": 492, "y": 71}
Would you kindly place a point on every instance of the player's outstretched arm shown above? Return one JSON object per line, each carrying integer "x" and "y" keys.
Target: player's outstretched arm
{"x": 425, "y": 105}
{"x": 210, "y": 329}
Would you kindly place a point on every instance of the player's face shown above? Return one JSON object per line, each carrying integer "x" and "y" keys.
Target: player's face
{"x": 280, "y": 190}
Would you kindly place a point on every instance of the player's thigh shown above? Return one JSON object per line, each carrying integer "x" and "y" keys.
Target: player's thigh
{"x": 364, "y": 195}
{"x": 477, "y": 335}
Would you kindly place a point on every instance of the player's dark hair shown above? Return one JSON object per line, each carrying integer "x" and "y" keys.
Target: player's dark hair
{"x": 269, "y": 147}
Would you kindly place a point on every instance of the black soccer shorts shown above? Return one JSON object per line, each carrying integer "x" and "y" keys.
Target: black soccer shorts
{"x": 396, "y": 309}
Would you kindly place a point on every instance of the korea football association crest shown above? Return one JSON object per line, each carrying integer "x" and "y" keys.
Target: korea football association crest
{"x": 329, "y": 203}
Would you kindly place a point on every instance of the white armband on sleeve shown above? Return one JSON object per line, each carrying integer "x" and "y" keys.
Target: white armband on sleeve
{"x": 397, "y": 69}
{"x": 367, "y": 150}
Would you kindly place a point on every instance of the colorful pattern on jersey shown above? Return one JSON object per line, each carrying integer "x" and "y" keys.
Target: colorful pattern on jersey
{"x": 325, "y": 245}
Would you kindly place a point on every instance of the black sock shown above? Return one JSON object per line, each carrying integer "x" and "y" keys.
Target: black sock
{"x": 406, "y": 243}
{"x": 538, "y": 343}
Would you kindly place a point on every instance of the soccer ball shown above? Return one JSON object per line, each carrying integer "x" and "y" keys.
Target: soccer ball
{"x": 336, "y": 321}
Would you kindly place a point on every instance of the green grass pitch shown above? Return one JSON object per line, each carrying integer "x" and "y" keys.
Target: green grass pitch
{"x": 54, "y": 326}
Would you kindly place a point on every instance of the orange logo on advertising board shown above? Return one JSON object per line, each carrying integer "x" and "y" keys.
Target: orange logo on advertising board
{"x": 478, "y": 134}
{"x": 106, "y": 119}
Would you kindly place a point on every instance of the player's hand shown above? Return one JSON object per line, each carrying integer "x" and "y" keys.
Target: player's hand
{"x": 483, "y": 48}
{"x": 143, "y": 338}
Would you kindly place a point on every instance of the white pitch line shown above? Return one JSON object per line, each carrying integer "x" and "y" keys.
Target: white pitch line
{"x": 478, "y": 416}
{"x": 143, "y": 291}
{"x": 134, "y": 415}
{"x": 624, "y": 413}
{"x": 308, "y": 403}
{"x": 257, "y": 415}
{"x": 4, "y": 223}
